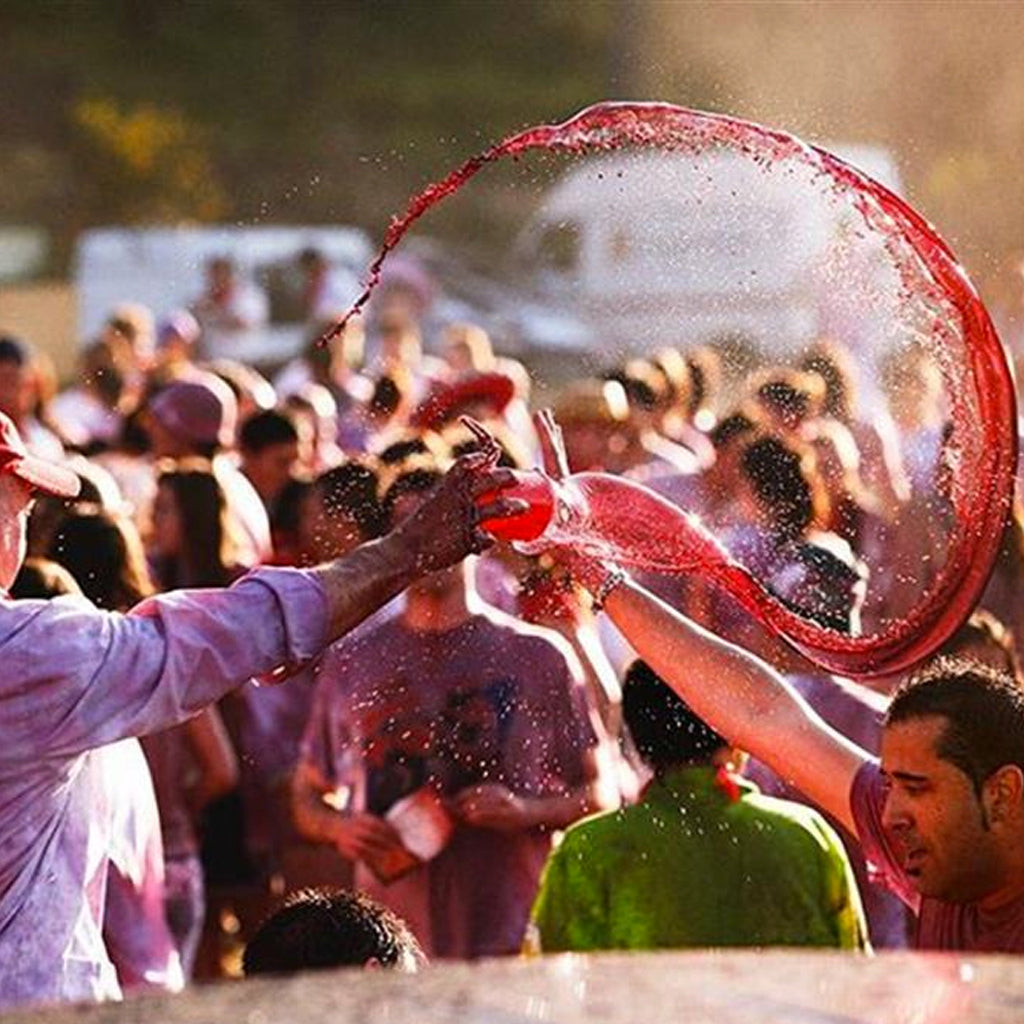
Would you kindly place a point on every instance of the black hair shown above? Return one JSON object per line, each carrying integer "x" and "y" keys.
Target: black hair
{"x": 776, "y": 474}
{"x": 664, "y": 729}
{"x": 983, "y": 708}
{"x": 351, "y": 489}
{"x": 43, "y": 579}
{"x": 416, "y": 480}
{"x": 398, "y": 451}
{"x": 386, "y": 398}
{"x": 327, "y": 927}
{"x": 733, "y": 426}
{"x": 262, "y": 430}
{"x": 12, "y": 350}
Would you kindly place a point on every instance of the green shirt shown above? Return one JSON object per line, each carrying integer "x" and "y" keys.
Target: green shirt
{"x": 689, "y": 866}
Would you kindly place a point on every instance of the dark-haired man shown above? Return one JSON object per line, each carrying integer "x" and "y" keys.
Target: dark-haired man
{"x": 327, "y": 927}
{"x": 702, "y": 860}
{"x": 942, "y": 813}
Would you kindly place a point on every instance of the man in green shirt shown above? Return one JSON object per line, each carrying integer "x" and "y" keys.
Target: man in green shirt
{"x": 703, "y": 860}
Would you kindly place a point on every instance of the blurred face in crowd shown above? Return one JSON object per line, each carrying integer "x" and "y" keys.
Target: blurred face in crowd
{"x": 270, "y": 469}
{"x": 15, "y": 506}
{"x": 325, "y": 535}
{"x": 166, "y": 527}
{"x": 17, "y": 394}
{"x": 940, "y": 824}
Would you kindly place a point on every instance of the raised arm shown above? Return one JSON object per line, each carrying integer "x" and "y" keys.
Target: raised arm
{"x": 741, "y": 697}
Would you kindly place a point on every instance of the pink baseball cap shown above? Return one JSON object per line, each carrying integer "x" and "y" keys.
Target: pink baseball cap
{"x": 200, "y": 407}
{"x": 38, "y": 473}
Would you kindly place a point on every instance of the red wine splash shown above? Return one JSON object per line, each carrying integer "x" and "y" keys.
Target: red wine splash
{"x": 982, "y": 445}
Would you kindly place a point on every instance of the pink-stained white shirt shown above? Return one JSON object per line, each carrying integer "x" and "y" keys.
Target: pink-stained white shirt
{"x": 74, "y": 679}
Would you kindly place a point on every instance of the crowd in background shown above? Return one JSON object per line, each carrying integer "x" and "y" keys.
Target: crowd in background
{"x": 430, "y": 757}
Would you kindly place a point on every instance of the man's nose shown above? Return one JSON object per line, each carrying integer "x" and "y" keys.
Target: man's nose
{"x": 894, "y": 812}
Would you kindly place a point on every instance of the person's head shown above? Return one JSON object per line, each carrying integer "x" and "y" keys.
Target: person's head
{"x": 176, "y": 337}
{"x": 103, "y": 552}
{"x": 340, "y": 511}
{"x": 402, "y": 495}
{"x": 312, "y": 261}
{"x": 314, "y": 406}
{"x": 194, "y": 416}
{"x": 220, "y": 274}
{"x": 327, "y": 927}
{"x": 190, "y": 534}
{"x": 400, "y": 341}
{"x": 391, "y": 397}
{"x": 467, "y": 348}
{"x": 17, "y": 386}
{"x": 833, "y": 364}
{"x": 252, "y": 391}
{"x": 21, "y": 476}
{"x": 666, "y": 733}
{"x": 953, "y": 758}
{"x": 705, "y": 366}
{"x": 40, "y": 579}
{"x": 985, "y": 638}
{"x": 269, "y": 444}
{"x": 132, "y": 324}
{"x": 787, "y": 398}
{"x": 783, "y": 487}
{"x": 593, "y": 415}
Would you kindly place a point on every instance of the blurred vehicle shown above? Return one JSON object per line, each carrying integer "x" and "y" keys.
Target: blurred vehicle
{"x": 164, "y": 268}
{"x": 650, "y": 248}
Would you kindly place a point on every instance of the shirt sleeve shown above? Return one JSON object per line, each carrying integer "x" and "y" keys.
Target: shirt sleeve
{"x": 841, "y": 896}
{"x": 867, "y": 799}
{"x": 80, "y": 678}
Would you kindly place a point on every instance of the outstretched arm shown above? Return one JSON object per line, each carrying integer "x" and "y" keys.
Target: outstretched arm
{"x": 741, "y": 697}
{"x": 735, "y": 692}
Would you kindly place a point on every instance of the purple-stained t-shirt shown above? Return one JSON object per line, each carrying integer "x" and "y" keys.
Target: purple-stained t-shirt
{"x": 490, "y": 701}
{"x": 940, "y": 925}
{"x": 135, "y": 929}
{"x": 75, "y": 679}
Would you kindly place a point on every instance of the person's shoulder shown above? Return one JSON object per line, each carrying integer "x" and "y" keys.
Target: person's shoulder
{"x": 598, "y": 830}
{"x": 525, "y": 638}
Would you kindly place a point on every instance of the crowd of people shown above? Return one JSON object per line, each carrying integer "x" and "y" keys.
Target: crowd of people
{"x": 262, "y": 666}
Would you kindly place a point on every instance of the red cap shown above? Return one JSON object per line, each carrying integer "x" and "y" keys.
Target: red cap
{"x": 38, "y": 473}
{"x": 492, "y": 390}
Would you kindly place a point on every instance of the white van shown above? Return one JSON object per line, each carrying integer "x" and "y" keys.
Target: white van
{"x": 650, "y": 248}
{"x": 164, "y": 268}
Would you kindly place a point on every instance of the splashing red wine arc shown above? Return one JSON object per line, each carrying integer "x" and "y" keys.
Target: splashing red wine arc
{"x": 602, "y": 510}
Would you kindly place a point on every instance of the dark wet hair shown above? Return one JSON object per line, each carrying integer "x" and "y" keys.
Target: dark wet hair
{"x": 417, "y": 479}
{"x": 776, "y": 474}
{"x": 351, "y": 489}
{"x": 664, "y": 729}
{"x": 734, "y": 425}
{"x": 13, "y": 350}
{"x": 326, "y": 927}
{"x": 983, "y": 709}
{"x": 42, "y": 579}
{"x": 262, "y": 430}
{"x": 105, "y": 556}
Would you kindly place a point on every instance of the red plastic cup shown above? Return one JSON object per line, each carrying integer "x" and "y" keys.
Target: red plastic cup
{"x": 537, "y": 492}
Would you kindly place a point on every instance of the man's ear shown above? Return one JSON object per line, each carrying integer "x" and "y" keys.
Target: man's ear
{"x": 373, "y": 964}
{"x": 1003, "y": 794}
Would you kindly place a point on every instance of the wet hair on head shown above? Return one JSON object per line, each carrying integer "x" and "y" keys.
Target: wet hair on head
{"x": 327, "y": 927}
{"x": 983, "y": 710}
{"x": 419, "y": 476}
{"x": 777, "y": 477}
{"x": 351, "y": 490}
{"x": 664, "y": 729}
{"x": 263, "y": 430}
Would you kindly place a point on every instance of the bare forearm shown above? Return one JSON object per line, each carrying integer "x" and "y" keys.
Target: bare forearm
{"x": 359, "y": 583}
{"x": 740, "y": 696}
